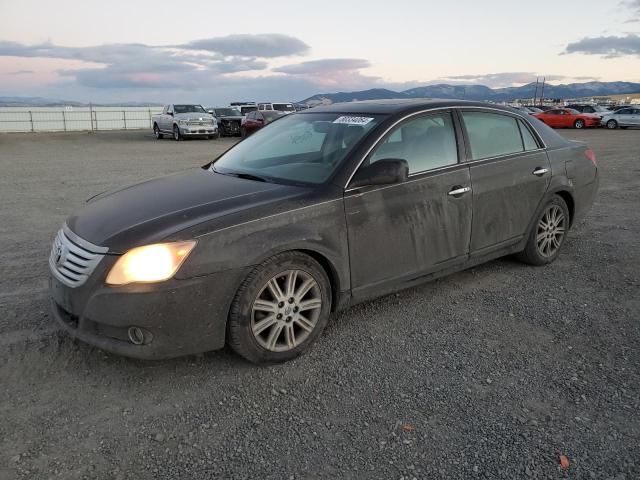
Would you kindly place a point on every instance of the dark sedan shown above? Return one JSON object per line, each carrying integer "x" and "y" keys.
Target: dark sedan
{"x": 317, "y": 211}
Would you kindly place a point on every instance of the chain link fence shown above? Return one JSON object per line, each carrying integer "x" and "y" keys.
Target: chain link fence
{"x": 64, "y": 119}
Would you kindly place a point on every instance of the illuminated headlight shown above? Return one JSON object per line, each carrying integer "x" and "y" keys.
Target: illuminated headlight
{"x": 151, "y": 263}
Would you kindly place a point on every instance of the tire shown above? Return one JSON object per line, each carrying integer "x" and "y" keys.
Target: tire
{"x": 263, "y": 304}
{"x": 612, "y": 124}
{"x": 156, "y": 131}
{"x": 544, "y": 244}
{"x": 243, "y": 132}
{"x": 215, "y": 136}
{"x": 176, "y": 133}
{"x": 579, "y": 124}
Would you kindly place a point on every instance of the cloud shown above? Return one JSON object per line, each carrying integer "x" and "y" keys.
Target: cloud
{"x": 263, "y": 45}
{"x": 606, "y": 46}
{"x": 634, "y": 6}
{"x": 134, "y": 65}
{"x": 324, "y": 66}
{"x": 21, "y": 72}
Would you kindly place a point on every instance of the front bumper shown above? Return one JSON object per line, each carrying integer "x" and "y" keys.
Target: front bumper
{"x": 230, "y": 128}
{"x": 198, "y": 130}
{"x": 177, "y": 317}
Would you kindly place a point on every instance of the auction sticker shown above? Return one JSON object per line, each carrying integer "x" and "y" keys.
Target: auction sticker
{"x": 347, "y": 120}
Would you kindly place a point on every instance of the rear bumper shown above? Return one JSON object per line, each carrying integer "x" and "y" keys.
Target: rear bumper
{"x": 177, "y": 317}
{"x": 584, "y": 197}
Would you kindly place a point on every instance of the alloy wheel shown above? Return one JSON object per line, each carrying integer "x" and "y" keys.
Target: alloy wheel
{"x": 579, "y": 123}
{"x": 550, "y": 232}
{"x": 286, "y": 310}
{"x": 612, "y": 124}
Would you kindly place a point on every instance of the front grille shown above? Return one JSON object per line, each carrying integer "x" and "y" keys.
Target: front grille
{"x": 200, "y": 123}
{"x": 72, "y": 258}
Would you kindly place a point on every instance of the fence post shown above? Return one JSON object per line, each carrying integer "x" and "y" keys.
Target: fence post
{"x": 150, "y": 120}
{"x": 91, "y": 115}
{"x": 124, "y": 119}
{"x": 31, "y": 120}
{"x": 64, "y": 121}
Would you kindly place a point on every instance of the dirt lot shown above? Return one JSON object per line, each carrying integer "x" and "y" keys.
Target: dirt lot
{"x": 490, "y": 373}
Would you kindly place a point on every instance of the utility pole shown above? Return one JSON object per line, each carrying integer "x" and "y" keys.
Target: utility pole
{"x": 535, "y": 95}
{"x": 544, "y": 79}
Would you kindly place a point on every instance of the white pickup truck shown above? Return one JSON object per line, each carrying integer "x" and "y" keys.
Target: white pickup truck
{"x": 181, "y": 121}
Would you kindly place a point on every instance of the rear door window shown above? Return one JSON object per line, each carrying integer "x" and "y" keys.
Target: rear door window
{"x": 492, "y": 134}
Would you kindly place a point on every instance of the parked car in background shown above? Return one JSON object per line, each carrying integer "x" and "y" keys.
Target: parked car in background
{"x": 522, "y": 109}
{"x": 544, "y": 108}
{"x": 568, "y": 118}
{"x": 184, "y": 120}
{"x": 245, "y": 107}
{"x": 256, "y": 120}
{"x": 589, "y": 108}
{"x": 279, "y": 106}
{"x": 229, "y": 120}
{"x": 623, "y": 118}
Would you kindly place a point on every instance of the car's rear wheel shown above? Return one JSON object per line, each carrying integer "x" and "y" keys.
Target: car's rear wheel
{"x": 156, "y": 131}
{"x": 280, "y": 309}
{"x": 579, "y": 124}
{"x": 176, "y": 133}
{"x": 548, "y": 234}
{"x": 612, "y": 124}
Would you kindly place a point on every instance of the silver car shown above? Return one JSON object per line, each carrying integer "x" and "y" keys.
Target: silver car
{"x": 623, "y": 118}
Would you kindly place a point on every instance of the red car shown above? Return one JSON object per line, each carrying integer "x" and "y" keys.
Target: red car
{"x": 568, "y": 118}
{"x": 255, "y": 120}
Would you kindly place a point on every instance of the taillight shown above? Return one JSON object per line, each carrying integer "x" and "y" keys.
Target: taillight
{"x": 591, "y": 156}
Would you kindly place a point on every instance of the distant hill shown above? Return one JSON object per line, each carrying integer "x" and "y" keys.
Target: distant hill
{"x": 52, "y": 102}
{"x": 481, "y": 92}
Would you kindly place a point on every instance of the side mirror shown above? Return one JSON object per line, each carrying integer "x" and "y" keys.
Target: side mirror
{"x": 170, "y": 113}
{"x": 381, "y": 172}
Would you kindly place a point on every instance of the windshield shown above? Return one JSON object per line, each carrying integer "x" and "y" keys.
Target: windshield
{"x": 226, "y": 112}
{"x": 301, "y": 148}
{"x": 247, "y": 109}
{"x": 188, "y": 109}
{"x": 600, "y": 108}
{"x": 572, "y": 111}
{"x": 284, "y": 107}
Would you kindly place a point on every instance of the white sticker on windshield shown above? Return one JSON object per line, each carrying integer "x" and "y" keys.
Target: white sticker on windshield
{"x": 348, "y": 120}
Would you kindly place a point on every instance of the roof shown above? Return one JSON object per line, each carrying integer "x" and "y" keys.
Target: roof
{"x": 393, "y": 106}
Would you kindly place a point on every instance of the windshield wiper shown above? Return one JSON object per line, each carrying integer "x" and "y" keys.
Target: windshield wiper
{"x": 246, "y": 176}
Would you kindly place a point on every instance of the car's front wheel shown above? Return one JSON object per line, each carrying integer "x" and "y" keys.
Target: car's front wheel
{"x": 579, "y": 124}
{"x": 280, "y": 309}
{"x": 612, "y": 124}
{"x": 156, "y": 131}
{"x": 548, "y": 234}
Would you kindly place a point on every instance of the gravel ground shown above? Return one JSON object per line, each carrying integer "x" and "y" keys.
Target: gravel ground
{"x": 494, "y": 372}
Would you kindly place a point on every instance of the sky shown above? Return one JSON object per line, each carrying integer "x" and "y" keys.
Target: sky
{"x": 214, "y": 52}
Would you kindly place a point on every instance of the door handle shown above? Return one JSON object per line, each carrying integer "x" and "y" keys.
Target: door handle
{"x": 458, "y": 191}
{"x": 540, "y": 171}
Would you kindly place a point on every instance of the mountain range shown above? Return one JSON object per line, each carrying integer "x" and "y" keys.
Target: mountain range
{"x": 481, "y": 92}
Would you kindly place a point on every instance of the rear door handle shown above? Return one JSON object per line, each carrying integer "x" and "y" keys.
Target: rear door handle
{"x": 458, "y": 191}
{"x": 540, "y": 171}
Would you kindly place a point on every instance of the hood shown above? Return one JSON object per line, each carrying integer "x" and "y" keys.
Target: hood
{"x": 149, "y": 212}
{"x": 193, "y": 116}
{"x": 231, "y": 117}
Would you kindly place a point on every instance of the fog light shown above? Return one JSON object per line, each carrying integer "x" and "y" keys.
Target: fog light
{"x": 136, "y": 335}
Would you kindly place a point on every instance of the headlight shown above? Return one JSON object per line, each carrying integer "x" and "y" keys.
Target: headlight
{"x": 151, "y": 263}
{"x": 182, "y": 122}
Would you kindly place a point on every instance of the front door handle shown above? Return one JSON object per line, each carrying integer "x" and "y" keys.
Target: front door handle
{"x": 457, "y": 191}
{"x": 540, "y": 171}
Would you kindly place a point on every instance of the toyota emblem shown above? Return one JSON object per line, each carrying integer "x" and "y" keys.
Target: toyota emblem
{"x": 60, "y": 255}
